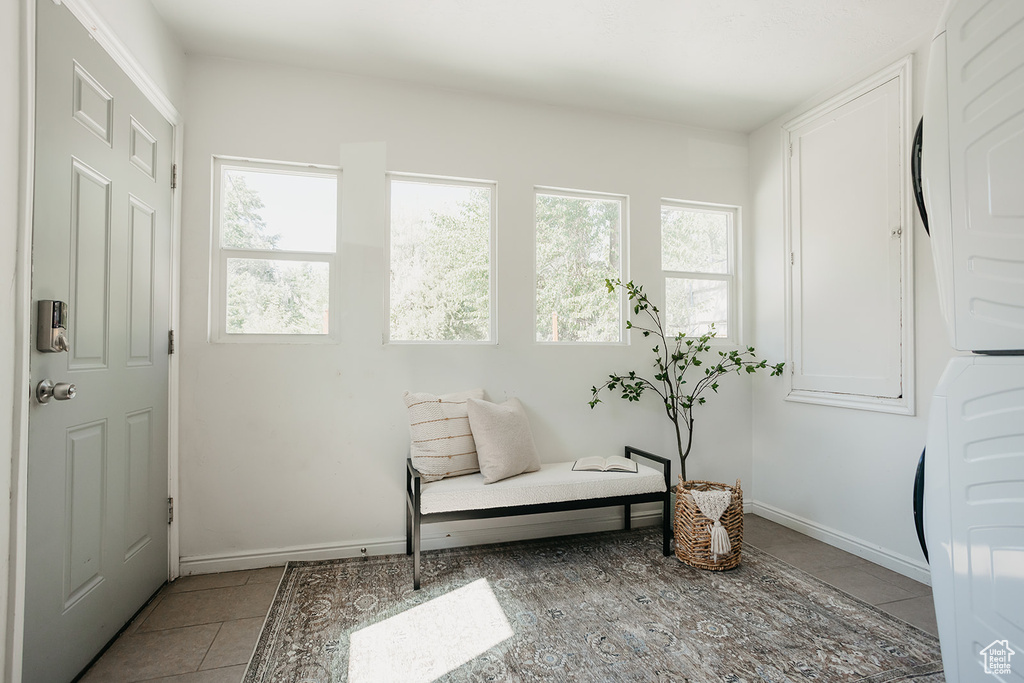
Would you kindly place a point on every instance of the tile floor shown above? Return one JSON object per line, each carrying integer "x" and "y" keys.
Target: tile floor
{"x": 894, "y": 593}
{"x": 202, "y": 629}
{"x": 199, "y": 629}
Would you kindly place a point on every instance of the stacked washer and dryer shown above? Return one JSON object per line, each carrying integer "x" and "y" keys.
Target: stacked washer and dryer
{"x": 972, "y": 181}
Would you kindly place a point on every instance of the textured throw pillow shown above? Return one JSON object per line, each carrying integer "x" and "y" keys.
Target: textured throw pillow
{"x": 442, "y": 444}
{"x": 504, "y": 442}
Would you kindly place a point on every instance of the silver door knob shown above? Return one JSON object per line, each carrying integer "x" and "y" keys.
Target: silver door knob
{"x": 61, "y": 391}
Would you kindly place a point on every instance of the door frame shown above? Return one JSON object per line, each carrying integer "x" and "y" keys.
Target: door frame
{"x": 105, "y": 37}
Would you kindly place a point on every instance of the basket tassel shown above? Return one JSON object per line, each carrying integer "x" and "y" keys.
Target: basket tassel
{"x": 713, "y": 504}
{"x": 720, "y": 544}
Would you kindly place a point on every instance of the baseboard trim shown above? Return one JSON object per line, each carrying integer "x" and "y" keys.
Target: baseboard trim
{"x": 433, "y": 537}
{"x": 851, "y": 544}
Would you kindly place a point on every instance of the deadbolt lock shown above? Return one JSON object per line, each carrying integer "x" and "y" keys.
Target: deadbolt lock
{"x": 51, "y": 326}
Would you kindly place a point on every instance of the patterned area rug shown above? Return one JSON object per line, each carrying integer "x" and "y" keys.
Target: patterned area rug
{"x": 599, "y": 607}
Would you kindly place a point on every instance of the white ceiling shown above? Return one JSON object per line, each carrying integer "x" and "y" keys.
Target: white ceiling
{"x": 726, "y": 64}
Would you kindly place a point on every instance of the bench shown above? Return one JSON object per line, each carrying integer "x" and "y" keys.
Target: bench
{"x": 553, "y": 488}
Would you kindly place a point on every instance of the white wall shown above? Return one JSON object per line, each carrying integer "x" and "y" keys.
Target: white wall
{"x": 299, "y": 446}
{"x": 10, "y": 102}
{"x": 138, "y": 25}
{"x": 842, "y": 475}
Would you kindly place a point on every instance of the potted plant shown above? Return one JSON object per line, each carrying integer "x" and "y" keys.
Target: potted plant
{"x": 673, "y": 358}
{"x": 709, "y": 515}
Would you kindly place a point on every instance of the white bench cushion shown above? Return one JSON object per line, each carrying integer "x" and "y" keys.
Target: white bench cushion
{"x": 552, "y": 483}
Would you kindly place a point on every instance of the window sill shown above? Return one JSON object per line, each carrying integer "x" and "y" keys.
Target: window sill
{"x": 895, "y": 406}
{"x": 275, "y": 339}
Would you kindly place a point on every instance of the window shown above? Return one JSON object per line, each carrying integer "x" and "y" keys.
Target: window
{"x": 580, "y": 244}
{"x": 275, "y": 250}
{"x": 698, "y": 255}
{"x": 441, "y": 242}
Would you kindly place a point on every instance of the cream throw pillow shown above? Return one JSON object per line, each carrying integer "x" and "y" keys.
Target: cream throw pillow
{"x": 504, "y": 442}
{"x": 442, "y": 443}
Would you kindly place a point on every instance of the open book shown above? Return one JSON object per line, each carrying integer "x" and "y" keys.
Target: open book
{"x": 595, "y": 463}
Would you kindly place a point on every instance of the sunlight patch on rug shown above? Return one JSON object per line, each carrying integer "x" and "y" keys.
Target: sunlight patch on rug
{"x": 429, "y": 640}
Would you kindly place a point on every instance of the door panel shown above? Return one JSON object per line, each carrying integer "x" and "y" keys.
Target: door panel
{"x": 846, "y": 199}
{"x": 90, "y": 241}
{"x": 97, "y": 466}
{"x": 141, "y": 235}
{"x": 139, "y": 438}
{"x": 86, "y": 461}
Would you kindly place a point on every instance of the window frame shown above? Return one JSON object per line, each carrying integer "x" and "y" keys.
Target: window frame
{"x": 731, "y": 277}
{"x": 220, "y": 254}
{"x": 430, "y": 179}
{"x": 623, "y": 275}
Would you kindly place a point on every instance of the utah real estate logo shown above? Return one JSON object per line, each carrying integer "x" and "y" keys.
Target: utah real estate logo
{"x": 996, "y": 658}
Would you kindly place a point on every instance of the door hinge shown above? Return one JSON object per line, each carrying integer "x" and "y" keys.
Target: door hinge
{"x": 792, "y": 258}
{"x": 174, "y": 176}
{"x": 170, "y": 510}
{"x": 170, "y": 342}
{"x": 791, "y": 149}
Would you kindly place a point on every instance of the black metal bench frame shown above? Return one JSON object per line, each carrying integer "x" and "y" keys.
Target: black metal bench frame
{"x": 414, "y": 518}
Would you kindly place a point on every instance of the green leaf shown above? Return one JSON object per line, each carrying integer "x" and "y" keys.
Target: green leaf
{"x": 670, "y": 368}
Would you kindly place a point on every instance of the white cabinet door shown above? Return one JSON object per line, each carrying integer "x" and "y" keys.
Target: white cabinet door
{"x": 848, "y": 261}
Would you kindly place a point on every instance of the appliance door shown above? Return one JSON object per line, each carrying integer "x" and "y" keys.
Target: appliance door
{"x": 919, "y": 505}
{"x": 915, "y": 174}
{"x": 974, "y": 512}
{"x": 935, "y": 181}
{"x": 973, "y": 171}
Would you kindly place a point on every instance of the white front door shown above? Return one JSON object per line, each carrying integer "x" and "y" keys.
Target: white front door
{"x": 97, "y": 463}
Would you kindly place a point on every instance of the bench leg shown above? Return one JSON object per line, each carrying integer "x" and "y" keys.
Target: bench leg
{"x": 416, "y": 550}
{"x": 408, "y": 527}
{"x": 629, "y": 516}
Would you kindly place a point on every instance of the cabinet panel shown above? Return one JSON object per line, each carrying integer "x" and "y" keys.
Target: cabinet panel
{"x": 849, "y": 231}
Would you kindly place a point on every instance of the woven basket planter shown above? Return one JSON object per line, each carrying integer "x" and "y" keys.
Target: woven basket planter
{"x": 693, "y": 529}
